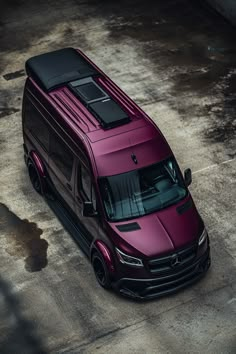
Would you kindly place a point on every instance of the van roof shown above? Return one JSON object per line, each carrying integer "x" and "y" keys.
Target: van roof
{"x": 137, "y": 148}
{"x": 67, "y": 67}
{"x": 115, "y": 126}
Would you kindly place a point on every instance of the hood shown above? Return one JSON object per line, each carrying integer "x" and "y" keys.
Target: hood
{"x": 160, "y": 232}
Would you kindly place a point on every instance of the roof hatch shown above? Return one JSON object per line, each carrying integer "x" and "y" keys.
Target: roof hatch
{"x": 88, "y": 90}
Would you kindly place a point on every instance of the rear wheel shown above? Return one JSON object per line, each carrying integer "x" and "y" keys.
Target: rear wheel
{"x": 35, "y": 178}
{"x": 101, "y": 271}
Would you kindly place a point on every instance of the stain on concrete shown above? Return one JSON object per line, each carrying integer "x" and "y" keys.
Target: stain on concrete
{"x": 35, "y": 31}
{"x": 9, "y": 102}
{"x": 200, "y": 80}
{"x": 43, "y": 215}
{"x": 14, "y": 75}
{"x": 22, "y": 335}
{"x": 73, "y": 35}
{"x": 6, "y": 111}
{"x": 14, "y": 37}
{"x": 23, "y": 240}
{"x": 2, "y": 143}
{"x": 193, "y": 47}
{"x": 224, "y": 128}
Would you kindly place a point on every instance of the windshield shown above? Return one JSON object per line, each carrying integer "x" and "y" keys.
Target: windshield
{"x": 143, "y": 191}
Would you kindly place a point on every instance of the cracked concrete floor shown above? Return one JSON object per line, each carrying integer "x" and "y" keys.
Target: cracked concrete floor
{"x": 176, "y": 59}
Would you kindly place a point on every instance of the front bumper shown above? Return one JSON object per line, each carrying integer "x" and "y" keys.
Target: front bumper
{"x": 168, "y": 284}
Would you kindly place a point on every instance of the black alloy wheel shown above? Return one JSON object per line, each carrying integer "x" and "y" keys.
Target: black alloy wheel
{"x": 34, "y": 178}
{"x": 101, "y": 271}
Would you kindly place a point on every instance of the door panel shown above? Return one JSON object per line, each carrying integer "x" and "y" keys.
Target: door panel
{"x": 84, "y": 191}
{"x": 36, "y": 128}
{"x": 61, "y": 163}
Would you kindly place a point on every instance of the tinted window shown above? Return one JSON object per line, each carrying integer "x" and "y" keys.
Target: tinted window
{"x": 85, "y": 182}
{"x": 61, "y": 155}
{"x": 87, "y": 186}
{"x": 35, "y": 123}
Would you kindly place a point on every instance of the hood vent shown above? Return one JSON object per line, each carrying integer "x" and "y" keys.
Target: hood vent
{"x": 128, "y": 227}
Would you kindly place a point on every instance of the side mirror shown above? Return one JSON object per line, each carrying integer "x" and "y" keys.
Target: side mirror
{"x": 88, "y": 210}
{"x": 188, "y": 176}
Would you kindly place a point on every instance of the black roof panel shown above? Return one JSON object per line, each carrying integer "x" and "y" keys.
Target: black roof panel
{"x": 54, "y": 69}
{"x": 90, "y": 91}
{"x": 109, "y": 113}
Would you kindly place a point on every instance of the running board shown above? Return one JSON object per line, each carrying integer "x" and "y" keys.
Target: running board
{"x": 67, "y": 221}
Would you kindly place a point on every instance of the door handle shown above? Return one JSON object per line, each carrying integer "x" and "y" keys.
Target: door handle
{"x": 79, "y": 200}
{"x": 69, "y": 186}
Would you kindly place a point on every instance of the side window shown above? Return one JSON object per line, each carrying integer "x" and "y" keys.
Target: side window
{"x": 61, "y": 155}
{"x": 35, "y": 123}
{"x": 87, "y": 186}
{"x": 85, "y": 182}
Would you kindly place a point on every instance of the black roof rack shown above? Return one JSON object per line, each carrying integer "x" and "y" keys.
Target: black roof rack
{"x": 107, "y": 112}
{"x": 54, "y": 69}
{"x": 68, "y": 67}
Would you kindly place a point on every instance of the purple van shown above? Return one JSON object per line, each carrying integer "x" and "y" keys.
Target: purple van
{"x": 111, "y": 178}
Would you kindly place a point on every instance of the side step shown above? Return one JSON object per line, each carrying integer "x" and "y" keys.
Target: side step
{"x": 67, "y": 221}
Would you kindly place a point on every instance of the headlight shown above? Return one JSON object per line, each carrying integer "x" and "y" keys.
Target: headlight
{"x": 203, "y": 237}
{"x": 126, "y": 259}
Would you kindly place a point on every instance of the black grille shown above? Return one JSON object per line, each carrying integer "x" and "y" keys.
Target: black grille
{"x": 173, "y": 262}
{"x": 166, "y": 283}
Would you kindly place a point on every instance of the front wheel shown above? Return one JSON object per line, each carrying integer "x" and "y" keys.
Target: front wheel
{"x": 101, "y": 271}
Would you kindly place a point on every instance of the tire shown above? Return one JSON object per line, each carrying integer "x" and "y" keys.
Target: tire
{"x": 35, "y": 178}
{"x": 101, "y": 271}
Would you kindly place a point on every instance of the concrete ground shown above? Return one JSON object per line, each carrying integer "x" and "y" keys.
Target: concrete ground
{"x": 177, "y": 59}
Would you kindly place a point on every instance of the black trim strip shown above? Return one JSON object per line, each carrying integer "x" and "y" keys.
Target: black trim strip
{"x": 128, "y": 227}
{"x": 184, "y": 207}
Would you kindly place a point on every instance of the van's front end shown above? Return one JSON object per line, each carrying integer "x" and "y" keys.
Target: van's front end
{"x": 162, "y": 274}
{"x": 159, "y": 241}
{"x": 161, "y": 244}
